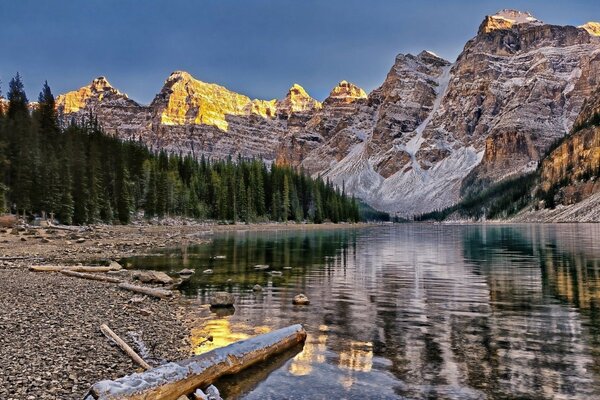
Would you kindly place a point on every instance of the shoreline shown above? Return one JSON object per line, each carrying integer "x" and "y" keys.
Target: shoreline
{"x": 51, "y": 344}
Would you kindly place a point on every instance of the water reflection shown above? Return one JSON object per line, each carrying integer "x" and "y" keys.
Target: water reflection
{"x": 412, "y": 311}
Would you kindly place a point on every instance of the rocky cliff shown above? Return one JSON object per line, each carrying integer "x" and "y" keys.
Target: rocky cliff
{"x": 570, "y": 172}
{"x": 430, "y": 133}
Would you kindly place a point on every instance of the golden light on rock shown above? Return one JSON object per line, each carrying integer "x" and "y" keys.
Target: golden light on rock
{"x": 77, "y": 99}
{"x": 190, "y": 101}
{"x": 593, "y": 28}
{"x": 347, "y": 92}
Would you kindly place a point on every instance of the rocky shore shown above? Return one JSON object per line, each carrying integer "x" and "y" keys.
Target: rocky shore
{"x": 51, "y": 345}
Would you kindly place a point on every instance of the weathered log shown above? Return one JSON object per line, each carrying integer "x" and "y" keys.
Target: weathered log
{"x": 169, "y": 381}
{"x": 156, "y": 292}
{"x": 94, "y": 277}
{"x": 76, "y": 268}
{"x": 124, "y": 346}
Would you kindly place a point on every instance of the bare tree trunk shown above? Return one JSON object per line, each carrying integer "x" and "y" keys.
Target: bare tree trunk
{"x": 169, "y": 381}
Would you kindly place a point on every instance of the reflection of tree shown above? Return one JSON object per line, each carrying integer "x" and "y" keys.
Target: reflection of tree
{"x": 529, "y": 268}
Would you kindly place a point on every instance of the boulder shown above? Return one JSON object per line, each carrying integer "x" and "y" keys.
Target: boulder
{"x": 301, "y": 300}
{"x": 222, "y": 299}
{"x": 153, "y": 277}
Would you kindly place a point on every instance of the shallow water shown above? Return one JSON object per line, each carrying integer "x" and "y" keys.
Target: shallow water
{"x": 409, "y": 311}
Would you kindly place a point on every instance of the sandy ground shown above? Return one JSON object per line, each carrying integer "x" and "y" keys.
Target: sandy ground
{"x": 51, "y": 346}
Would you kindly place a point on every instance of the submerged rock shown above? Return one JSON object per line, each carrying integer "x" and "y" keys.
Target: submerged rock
{"x": 301, "y": 300}
{"x": 222, "y": 299}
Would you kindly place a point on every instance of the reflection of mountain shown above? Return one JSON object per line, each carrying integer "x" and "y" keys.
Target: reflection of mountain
{"x": 418, "y": 311}
{"x": 545, "y": 291}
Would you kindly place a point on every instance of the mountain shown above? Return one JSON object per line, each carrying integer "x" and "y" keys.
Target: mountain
{"x": 433, "y": 132}
{"x": 569, "y": 174}
{"x": 565, "y": 187}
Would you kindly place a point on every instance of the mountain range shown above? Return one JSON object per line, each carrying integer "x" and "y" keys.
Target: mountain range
{"x": 432, "y": 133}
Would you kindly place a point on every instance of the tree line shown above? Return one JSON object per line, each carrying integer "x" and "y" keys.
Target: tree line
{"x": 83, "y": 176}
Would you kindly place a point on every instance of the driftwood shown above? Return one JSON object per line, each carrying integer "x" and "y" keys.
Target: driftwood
{"x": 16, "y": 258}
{"x": 156, "y": 292}
{"x": 124, "y": 346}
{"x": 76, "y": 268}
{"x": 169, "y": 381}
{"x": 94, "y": 277}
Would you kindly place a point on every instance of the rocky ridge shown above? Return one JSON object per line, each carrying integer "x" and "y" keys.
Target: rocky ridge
{"x": 432, "y": 132}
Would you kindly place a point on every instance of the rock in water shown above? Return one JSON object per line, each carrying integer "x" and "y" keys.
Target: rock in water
{"x": 301, "y": 300}
{"x": 261, "y": 267}
{"x": 153, "y": 277}
{"x": 207, "y": 271}
{"x": 186, "y": 271}
{"x": 199, "y": 395}
{"x": 257, "y": 288}
{"x": 222, "y": 299}
{"x": 213, "y": 393}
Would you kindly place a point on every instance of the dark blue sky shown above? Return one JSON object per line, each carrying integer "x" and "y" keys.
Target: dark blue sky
{"x": 256, "y": 47}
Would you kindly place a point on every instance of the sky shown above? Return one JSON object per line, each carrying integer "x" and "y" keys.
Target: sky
{"x": 255, "y": 47}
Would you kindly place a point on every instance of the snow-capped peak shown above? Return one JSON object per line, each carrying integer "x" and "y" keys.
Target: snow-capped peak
{"x": 516, "y": 16}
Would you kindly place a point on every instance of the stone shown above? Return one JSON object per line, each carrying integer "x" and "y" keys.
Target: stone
{"x": 208, "y": 271}
{"x": 115, "y": 266}
{"x": 153, "y": 277}
{"x": 222, "y": 299}
{"x": 213, "y": 393}
{"x": 301, "y": 300}
{"x": 80, "y": 240}
{"x": 186, "y": 271}
{"x": 200, "y": 395}
{"x": 261, "y": 267}
{"x": 257, "y": 288}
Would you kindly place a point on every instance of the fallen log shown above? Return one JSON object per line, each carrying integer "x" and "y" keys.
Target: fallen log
{"x": 169, "y": 381}
{"x": 124, "y": 346}
{"x": 156, "y": 292}
{"x": 94, "y": 277}
{"x": 75, "y": 268}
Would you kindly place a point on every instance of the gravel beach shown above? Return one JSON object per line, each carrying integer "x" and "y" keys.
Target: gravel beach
{"x": 51, "y": 346}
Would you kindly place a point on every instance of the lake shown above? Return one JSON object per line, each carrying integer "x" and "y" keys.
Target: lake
{"x": 412, "y": 311}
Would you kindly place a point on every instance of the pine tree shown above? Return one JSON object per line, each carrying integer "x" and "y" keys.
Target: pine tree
{"x": 285, "y": 202}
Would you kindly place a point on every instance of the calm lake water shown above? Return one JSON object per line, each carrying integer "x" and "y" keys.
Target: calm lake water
{"x": 409, "y": 311}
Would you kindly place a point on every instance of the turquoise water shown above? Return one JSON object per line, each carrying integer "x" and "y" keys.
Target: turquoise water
{"x": 408, "y": 311}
